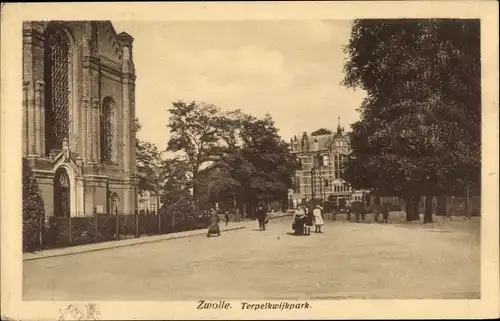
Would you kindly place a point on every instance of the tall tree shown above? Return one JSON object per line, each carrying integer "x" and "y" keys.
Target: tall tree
{"x": 264, "y": 165}
{"x": 149, "y": 162}
{"x": 197, "y": 130}
{"x": 419, "y": 132}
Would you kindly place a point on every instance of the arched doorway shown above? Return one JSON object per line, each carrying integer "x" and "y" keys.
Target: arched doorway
{"x": 62, "y": 200}
{"x": 113, "y": 204}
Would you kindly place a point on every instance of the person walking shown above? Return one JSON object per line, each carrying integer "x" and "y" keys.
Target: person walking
{"x": 214, "y": 226}
{"x": 262, "y": 217}
{"x": 385, "y": 213}
{"x": 318, "y": 219}
{"x": 226, "y": 216}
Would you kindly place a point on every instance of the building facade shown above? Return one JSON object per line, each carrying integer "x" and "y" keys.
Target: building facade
{"x": 148, "y": 202}
{"x": 78, "y": 116}
{"x": 322, "y": 165}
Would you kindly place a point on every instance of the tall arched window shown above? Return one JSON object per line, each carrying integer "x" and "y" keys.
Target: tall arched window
{"x": 108, "y": 130}
{"x": 57, "y": 87}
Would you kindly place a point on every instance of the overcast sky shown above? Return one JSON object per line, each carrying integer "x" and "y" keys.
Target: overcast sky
{"x": 291, "y": 69}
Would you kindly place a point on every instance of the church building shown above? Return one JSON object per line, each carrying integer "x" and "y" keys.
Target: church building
{"x": 78, "y": 116}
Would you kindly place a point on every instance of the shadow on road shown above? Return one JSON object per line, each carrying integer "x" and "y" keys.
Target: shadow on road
{"x": 293, "y": 234}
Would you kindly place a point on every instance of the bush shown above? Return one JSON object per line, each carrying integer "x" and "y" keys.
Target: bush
{"x": 33, "y": 209}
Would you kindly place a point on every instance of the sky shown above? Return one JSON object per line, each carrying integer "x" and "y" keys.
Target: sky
{"x": 291, "y": 69}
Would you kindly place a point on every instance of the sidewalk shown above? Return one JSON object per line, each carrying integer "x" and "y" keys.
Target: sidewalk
{"x": 233, "y": 226}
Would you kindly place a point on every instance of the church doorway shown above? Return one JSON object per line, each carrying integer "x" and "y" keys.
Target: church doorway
{"x": 62, "y": 201}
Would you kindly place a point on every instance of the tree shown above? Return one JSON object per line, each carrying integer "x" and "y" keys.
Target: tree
{"x": 33, "y": 206}
{"x": 419, "y": 132}
{"x": 321, "y": 131}
{"x": 176, "y": 199}
{"x": 216, "y": 183}
{"x": 149, "y": 162}
{"x": 197, "y": 131}
{"x": 264, "y": 165}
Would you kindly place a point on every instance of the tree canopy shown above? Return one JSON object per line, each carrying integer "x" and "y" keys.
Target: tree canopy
{"x": 419, "y": 132}
{"x": 230, "y": 153}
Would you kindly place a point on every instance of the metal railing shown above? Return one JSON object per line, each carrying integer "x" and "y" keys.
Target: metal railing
{"x": 53, "y": 232}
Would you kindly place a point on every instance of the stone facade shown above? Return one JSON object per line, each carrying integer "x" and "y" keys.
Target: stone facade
{"x": 78, "y": 116}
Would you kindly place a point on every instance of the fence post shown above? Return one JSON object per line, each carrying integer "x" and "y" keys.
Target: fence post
{"x": 117, "y": 226}
{"x": 95, "y": 227}
{"x": 136, "y": 224}
{"x": 70, "y": 230}
{"x": 159, "y": 222}
{"x": 40, "y": 229}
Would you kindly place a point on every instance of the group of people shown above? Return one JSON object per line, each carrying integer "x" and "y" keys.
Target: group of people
{"x": 214, "y": 228}
{"x": 304, "y": 219}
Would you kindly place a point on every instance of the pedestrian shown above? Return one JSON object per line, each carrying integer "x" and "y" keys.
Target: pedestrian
{"x": 378, "y": 211}
{"x": 348, "y": 211}
{"x": 308, "y": 222}
{"x": 262, "y": 217}
{"x": 226, "y": 216}
{"x": 298, "y": 221}
{"x": 318, "y": 219}
{"x": 385, "y": 213}
{"x": 214, "y": 224}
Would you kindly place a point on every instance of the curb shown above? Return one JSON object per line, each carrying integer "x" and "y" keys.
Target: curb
{"x": 146, "y": 241}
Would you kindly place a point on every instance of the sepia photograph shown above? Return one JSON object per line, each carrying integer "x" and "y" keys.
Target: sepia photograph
{"x": 257, "y": 165}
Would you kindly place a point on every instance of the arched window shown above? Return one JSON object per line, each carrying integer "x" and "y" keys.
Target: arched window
{"x": 57, "y": 87}
{"x": 108, "y": 130}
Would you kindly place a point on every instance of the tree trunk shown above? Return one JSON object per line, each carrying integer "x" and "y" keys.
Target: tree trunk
{"x": 468, "y": 202}
{"x": 410, "y": 209}
{"x": 441, "y": 205}
{"x": 416, "y": 208}
{"x": 428, "y": 209}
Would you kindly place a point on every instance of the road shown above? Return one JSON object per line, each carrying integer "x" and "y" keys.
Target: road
{"x": 348, "y": 260}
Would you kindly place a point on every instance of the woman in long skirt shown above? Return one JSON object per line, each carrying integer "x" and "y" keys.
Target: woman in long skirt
{"x": 214, "y": 224}
{"x": 298, "y": 221}
{"x": 318, "y": 219}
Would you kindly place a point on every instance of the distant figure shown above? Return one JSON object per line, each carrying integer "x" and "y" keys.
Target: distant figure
{"x": 308, "y": 220}
{"x": 385, "y": 213}
{"x": 214, "y": 221}
{"x": 298, "y": 221}
{"x": 318, "y": 219}
{"x": 262, "y": 217}
{"x": 348, "y": 211}
{"x": 378, "y": 211}
{"x": 226, "y": 216}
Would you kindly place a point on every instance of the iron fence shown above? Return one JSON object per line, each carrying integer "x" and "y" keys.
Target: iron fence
{"x": 53, "y": 232}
